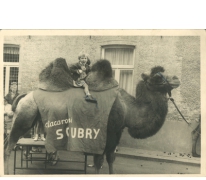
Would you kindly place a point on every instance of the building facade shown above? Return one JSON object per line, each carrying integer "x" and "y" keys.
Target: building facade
{"x": 26, "y": 56}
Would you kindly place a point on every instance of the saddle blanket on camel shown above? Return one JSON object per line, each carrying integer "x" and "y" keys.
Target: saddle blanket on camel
{"x": 72, "y": 123}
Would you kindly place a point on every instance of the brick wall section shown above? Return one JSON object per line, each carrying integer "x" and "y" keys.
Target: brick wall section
{"x": 188, "y": 49}
{"x": 178, "y": 55}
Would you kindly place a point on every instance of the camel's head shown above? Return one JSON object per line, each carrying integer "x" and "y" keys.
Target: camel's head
{"x": 158, "y": 80}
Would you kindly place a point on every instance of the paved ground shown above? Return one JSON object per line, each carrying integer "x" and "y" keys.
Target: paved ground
{"x": 128, "y": 161}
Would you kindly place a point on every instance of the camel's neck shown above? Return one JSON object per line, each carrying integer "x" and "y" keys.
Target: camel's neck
{"x": 145, "y": 114}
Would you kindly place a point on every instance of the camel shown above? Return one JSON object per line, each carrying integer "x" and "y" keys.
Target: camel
{"x": 143, "y": 115}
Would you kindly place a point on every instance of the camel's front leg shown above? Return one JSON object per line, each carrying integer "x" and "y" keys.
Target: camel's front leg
{"x": 98, "y": 162}
{"x": 110, "y": 156}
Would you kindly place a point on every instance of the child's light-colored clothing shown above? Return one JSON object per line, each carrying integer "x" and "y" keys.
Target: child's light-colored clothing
{"x": 8, "y": 116}
{"x": 7, "y": 108}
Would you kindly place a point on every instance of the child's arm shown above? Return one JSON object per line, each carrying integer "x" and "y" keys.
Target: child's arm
{"x": 75, "y": 69}
{"x": 79, "y": 71}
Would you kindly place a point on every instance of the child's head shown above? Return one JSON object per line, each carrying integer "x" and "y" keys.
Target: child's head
{"x": 13, "y": 87}
{"x": 84, "y": 58}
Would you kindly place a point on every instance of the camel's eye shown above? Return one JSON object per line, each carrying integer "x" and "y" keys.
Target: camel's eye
{"x": 157, "y": 78}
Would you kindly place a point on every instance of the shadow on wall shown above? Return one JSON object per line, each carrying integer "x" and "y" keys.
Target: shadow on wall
{"x": 174, "y": 136}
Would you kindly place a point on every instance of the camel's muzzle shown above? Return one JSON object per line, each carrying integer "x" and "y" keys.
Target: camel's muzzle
{"x": 173, "y": 81}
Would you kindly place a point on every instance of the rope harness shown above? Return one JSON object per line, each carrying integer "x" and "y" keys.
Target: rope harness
{"x": 173, "y": 101}
{"x": 189, "y": 124}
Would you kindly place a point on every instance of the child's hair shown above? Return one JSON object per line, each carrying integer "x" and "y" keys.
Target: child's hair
{"x": 83, "y": 54}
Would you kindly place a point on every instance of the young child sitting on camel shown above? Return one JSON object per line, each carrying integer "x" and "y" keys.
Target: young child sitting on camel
{"x": 79, "y": 72}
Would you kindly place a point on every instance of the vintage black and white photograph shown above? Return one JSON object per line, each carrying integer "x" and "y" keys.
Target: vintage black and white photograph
{"x": 102, "y": 102}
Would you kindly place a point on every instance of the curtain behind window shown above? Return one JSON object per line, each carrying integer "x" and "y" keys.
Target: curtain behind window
{"x": 121, "y": 56}
{"x": 11, "y": 54}
{"x": 125, "y": 80}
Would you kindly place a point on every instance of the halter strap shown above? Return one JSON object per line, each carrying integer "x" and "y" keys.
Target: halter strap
{"x": 164, "y": 82}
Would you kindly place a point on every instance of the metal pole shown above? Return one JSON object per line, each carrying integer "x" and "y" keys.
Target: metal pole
{"x": 22, "y": 156}
{"x": 14, "y": 160}
{"x": 85, "y": 164}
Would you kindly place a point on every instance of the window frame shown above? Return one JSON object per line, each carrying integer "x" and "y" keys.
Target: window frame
{"x": 8, "y": 66}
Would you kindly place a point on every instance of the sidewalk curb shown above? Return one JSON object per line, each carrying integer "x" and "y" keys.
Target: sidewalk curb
{"x": 158, "y": 156}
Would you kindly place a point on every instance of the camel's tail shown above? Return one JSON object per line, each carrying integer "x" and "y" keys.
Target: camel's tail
{"x": 16, "y": 101}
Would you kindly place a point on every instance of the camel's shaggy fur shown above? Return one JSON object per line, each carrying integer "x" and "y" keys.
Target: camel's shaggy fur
{"x": 100, "y": 78}
{"x": 56, "y": 76}
{"x": 103, "y": 68}
{"x": 156, "y": 69}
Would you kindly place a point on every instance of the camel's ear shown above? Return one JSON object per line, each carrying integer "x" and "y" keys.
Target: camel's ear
{"x": 144, "y": 76}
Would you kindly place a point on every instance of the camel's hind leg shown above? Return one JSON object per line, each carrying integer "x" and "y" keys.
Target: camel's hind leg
{"x": 23, "y": 120}
{"x": 110, "y": 156}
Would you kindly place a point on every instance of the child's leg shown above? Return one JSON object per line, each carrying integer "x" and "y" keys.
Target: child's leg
{"x": 88, "y": 95}
{"x": 86, "y": 89}
{"x": 41, "y": 130}
{"x": 36, "y": 133}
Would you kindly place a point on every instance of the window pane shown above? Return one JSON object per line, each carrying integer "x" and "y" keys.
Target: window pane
{"x": 14, "y": 71}
{"x": 125, "y": 80}
{"x": 113, "y": 73}
{"x": 119, "y": 56}
{"x": 11, "y": 54}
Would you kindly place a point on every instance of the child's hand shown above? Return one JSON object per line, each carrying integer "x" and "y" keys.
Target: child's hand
{"x": 80, "y": 71}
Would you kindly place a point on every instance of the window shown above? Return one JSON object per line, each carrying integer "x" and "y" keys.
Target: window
{"x": 11, "y": 53}
{"x": 122, "y": 60}
{"x": 11, "y": 65}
